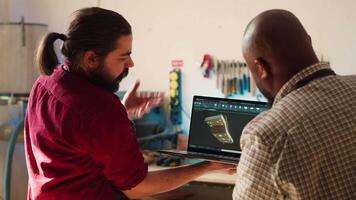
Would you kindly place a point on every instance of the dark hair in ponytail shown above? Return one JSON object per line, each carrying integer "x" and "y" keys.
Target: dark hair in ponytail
{"x": 94, "y": 29}
{"x": 46, "y": 57}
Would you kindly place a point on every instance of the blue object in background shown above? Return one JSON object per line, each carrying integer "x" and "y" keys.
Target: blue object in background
{"x": 241, "y": 88}
{"x": 151, "y": 130}
{"x": 17, "y": 121}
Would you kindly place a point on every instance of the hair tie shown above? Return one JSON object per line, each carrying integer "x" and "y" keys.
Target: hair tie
{"x": 63, "y": 37}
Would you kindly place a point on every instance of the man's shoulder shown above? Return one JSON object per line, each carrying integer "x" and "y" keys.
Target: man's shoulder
{"x": 268, "y": 125}
{"x": 79, "y": 94}
{"x": 349, "y": 78}
{"x": 310, "y": 103}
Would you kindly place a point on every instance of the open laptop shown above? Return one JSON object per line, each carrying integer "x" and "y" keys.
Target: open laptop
{"x": 216, "y": 126}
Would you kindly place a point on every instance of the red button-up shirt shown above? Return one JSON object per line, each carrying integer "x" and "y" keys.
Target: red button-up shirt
{"x": 78, "y": 140}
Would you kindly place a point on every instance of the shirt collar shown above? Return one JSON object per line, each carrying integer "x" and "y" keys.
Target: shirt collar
{"x": 289, "y": 85}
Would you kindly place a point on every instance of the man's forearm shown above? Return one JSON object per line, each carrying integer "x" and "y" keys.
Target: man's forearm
{"x": 165, "y": 180}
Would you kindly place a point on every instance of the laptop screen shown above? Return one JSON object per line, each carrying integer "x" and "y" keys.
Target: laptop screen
{"x": 216, "y": 124}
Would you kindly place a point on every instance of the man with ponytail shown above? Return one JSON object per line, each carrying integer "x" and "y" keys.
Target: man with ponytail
{"x": 79, "y": 141}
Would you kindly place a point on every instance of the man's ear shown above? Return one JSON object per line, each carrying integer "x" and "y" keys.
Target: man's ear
{"x": 263, "y": 68}
{"x": 90, "y": 60}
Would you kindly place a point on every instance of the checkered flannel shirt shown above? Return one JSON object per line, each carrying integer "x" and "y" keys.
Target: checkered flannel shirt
{"x": 304, "y": 147}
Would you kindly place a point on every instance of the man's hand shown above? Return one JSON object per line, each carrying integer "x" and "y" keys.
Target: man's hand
{"x": 137, "y": 105}
{"x": 214, "y": 167}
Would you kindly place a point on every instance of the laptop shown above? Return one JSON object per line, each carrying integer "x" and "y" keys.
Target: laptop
{"x": 215, "y": 128}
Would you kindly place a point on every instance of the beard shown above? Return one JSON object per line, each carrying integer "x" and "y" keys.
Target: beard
{"x": 113, "y": 85}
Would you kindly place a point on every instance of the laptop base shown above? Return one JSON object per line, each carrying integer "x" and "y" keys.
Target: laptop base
{"x": 202, "y": 156}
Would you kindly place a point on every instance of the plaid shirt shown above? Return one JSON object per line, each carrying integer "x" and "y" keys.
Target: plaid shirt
{"x": 304, "y": 147}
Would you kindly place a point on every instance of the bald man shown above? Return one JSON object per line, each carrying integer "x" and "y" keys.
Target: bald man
{"x": 304, "y": 147}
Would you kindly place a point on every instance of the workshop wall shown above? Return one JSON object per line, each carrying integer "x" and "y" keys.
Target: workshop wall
{"x": 185, "y": 29}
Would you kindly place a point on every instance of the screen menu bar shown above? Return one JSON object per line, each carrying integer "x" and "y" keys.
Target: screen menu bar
{"x": 228, "y": 106}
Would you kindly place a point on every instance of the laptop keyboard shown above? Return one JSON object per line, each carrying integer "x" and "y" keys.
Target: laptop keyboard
{"x": 216, "y": 156}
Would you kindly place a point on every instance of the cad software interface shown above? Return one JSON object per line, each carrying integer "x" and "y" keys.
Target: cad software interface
{"x": 217, "y": 124}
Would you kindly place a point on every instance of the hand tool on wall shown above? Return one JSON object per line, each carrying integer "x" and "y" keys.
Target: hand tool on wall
{"x": 206, "y": 65}
{"x": 218, "y": 74}
{"x": 232, "y": 76}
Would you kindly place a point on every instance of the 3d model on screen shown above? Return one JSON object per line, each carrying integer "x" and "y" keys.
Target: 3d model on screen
{"x": 219, "y": 128}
